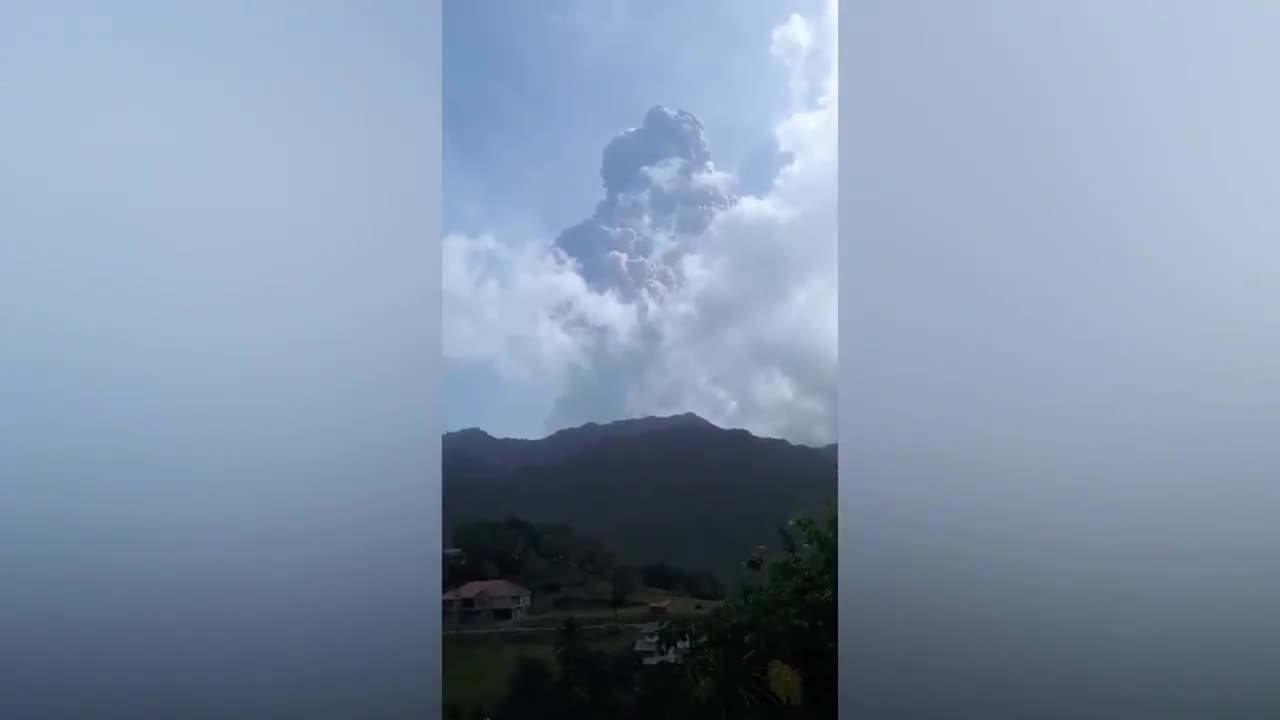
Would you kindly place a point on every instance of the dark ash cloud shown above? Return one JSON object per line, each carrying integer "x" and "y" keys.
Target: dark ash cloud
{"x": 661, "y": 190}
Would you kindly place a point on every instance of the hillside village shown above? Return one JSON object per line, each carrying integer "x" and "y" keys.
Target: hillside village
{"x": 586, "y": 611}
{"x": 514, "y": 575}
{"x": 587, "y": 574}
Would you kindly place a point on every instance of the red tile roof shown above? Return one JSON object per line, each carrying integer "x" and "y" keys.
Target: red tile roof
{"x": 493, "y": 588}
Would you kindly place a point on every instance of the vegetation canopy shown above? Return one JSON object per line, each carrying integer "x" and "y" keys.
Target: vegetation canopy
{"x": 768, "y": 651}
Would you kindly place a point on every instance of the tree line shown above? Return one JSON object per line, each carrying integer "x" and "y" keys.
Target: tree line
{"x": 546, "y": 557}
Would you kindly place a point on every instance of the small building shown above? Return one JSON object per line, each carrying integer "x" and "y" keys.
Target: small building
{"x": 660, "y": 607}
{"x": 487, "y": 601}
{"x": 647, "y": 646}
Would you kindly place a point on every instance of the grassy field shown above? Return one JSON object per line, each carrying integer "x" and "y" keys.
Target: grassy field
{"x": 476, "y": 667}
{"x": 636, "y": 611}
{"x": 631, "y": 614}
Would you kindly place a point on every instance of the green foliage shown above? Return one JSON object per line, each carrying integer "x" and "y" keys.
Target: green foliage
{"x": 622, "y": 584}
{"x": 529, "y": 691}
{"x": 478, "y": 669}
{"x": 591, "y": 683}
{"x": 769, "y": 651}
{"x": 785, "y": 683}
{"x": 540, "y": 555}
{"x": 547, "y": 557}
{"x": 703, "y": 586}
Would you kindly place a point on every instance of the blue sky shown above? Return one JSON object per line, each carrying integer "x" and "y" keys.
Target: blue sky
{"x": 534, "y": 91}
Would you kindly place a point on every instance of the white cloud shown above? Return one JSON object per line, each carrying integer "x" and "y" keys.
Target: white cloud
{"x": 523, "y": 308}
{"x": 723, "y": 306}
{"x": 792, "y": 42}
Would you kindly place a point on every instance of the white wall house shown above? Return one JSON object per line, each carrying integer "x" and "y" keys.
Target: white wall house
{"x": 648, "y": 647}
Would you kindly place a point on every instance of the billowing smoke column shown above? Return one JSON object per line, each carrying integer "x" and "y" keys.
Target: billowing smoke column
{"x": 661, "y": 190}
{"x": 661, "y": 193}
{"x": 677, "y": 294}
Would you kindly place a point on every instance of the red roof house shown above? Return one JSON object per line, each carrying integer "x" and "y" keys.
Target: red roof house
{"x": 487, "y": 600}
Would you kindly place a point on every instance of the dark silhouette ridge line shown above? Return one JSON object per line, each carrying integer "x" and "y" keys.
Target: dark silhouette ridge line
{"x": 634, "y": 426}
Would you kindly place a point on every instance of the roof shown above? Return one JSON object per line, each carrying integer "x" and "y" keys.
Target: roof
{"x": 660, "y": 604}
{"x": 492, "y": 588}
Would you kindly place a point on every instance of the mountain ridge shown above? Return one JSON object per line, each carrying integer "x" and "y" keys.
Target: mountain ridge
{"x": 675, "y": 489}
{"x": 477, "y": 440}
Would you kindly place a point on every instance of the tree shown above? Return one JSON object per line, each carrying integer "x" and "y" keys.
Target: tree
{"x": 491, "y": 549}
{"x": 578, "y": 687}
{"x": 661, "y": 576}
{"x": 594, "y": 558}
{"x": 623, "y": 584}
{"x": 572, "y": 656}
{"x": 556, "y": 543}
{"x": 488, "y": 571}
{"x": 704, "y": 586}
{"x": 529, "y": 691}
{"x": 770, "y": 651}
{"x": 536, "y": 571}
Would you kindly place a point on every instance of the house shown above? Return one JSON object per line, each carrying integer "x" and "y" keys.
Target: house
{"x": 486, "y": 600}
{"x": 660, "y": 607}
{"x": 647, "y": 646}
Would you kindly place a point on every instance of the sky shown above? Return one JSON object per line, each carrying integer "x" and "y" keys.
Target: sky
{"x": 215, "y": 369}
{"x": 699, "y": 276}
{"x": 1060, "y": 349}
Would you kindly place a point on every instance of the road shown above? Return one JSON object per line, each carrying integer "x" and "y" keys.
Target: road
{"x": 546, "y": 628}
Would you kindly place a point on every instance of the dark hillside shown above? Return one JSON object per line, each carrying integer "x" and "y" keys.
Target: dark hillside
{"x": 678, "y": 490}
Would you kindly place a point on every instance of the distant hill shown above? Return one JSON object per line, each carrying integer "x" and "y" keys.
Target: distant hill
{"x": 677, "y": 489}
{"x": 511, "y": 453}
